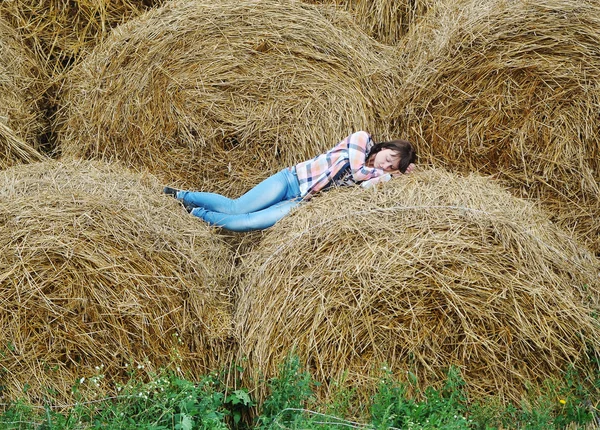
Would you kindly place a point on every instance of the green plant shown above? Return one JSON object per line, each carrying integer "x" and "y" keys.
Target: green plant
{"x": 169, "y": 401}
{"x": 238, "y": 402}
{"x": 441, "y": 409}
{"x": 288, "y": 393}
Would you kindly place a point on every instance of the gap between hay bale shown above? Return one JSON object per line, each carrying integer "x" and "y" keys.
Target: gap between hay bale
{"x": 218, "y": 95}
{"x": 99, "y": 270}
{"x": 511, "y": 88}
{"x": 430, "y": 271}
{"x": 385, "y": 20}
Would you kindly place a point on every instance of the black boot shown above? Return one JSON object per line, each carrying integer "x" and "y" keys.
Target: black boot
{"x": 170, "y": 191}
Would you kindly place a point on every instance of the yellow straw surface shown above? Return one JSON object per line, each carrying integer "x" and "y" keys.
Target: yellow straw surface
{"x": 430, "y": 271}
{"x": 217, "y": 95}
{"x": 99, "y": 272}
{"x": 61, "y": 31}
{"x": 513, "y": 89}
{"x": 21, "y": 86}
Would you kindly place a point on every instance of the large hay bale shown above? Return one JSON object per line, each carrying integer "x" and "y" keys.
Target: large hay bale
{"x": 385, "y": 20}
{"x": 60, "y": 31}
{"x": 99, "y": 269}
{"x": 430, "y": 271}
{"x": 218, "y": 95}
{"x": 511, "y": 88}
{"x": 21, "y": 87}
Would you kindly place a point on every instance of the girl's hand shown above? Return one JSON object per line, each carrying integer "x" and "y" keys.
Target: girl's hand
{"x": 411, "y": 168}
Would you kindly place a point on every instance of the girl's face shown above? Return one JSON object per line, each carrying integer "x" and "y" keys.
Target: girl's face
{"x": 387, "y": 160}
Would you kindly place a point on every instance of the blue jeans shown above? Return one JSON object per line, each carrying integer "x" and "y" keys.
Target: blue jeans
{"x": 259, "y": 208}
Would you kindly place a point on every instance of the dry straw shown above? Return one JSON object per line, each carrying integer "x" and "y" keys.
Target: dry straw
{"x": 385, "y": 20}
{"x": 21, "y": 119}
{"x": 100, "y": 274}
{"x": 428, "y": 271}
{"x": 511, "y": 88}
{"x": 14, "y": 151}
{"x": 218, "y": 95}
{"x": 60, "y": 31}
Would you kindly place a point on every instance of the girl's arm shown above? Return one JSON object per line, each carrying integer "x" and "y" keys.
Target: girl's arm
{"x": 377, "y": 180}
{"x": 358, "y": 145}
{"x": 384, "y": 178}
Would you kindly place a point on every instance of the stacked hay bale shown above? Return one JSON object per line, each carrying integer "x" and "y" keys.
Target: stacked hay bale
{"x": 430, "y": 271}
{"x": 101, "y": 272}
{"x": 511, "y": 88}
{"x": 385, "y": 20}
{"x": 21, "y": 119}
{"x": 60, "y": 31}
{"x": 218, "y": 95}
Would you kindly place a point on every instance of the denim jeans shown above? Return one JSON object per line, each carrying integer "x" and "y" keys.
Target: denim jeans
{"x": 259, "y": 208}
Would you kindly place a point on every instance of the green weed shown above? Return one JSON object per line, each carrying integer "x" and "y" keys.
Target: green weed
{"x": 169, "y": 401}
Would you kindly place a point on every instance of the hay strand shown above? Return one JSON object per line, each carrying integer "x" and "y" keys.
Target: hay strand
{"x": 21, "y": 87}
{"x": 385, "y": 20}
{"x": 61, "y": 31}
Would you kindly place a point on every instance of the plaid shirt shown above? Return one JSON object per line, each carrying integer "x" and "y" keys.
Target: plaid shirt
{"x": 350, "y": 154}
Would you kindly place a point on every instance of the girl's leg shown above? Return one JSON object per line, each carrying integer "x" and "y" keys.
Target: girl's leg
{"x": 279, "y": 187}
{"x": 247, "y": 222}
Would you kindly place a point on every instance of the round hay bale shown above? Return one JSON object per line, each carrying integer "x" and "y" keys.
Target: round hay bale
{"x": 218, "y": 95}
{"x": 21, "y": 86}
{"x": 511, "y": 88}
{"x": 60, "y": 31}
{"x": 99, "y": 270}
{"x": 385, "y": 20}
{"x": 429, "y": 271}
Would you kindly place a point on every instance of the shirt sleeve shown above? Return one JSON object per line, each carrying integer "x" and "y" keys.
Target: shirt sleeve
{"x": 358, "y": 145}
{"x": 374, "y": 181}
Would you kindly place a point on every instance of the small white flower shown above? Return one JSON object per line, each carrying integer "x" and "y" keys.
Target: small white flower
{"x": 81, "y": 380}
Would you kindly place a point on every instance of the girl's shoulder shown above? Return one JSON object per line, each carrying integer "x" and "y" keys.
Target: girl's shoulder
{"x": 361, "y": 138}
{"x": 363, "y": 134}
